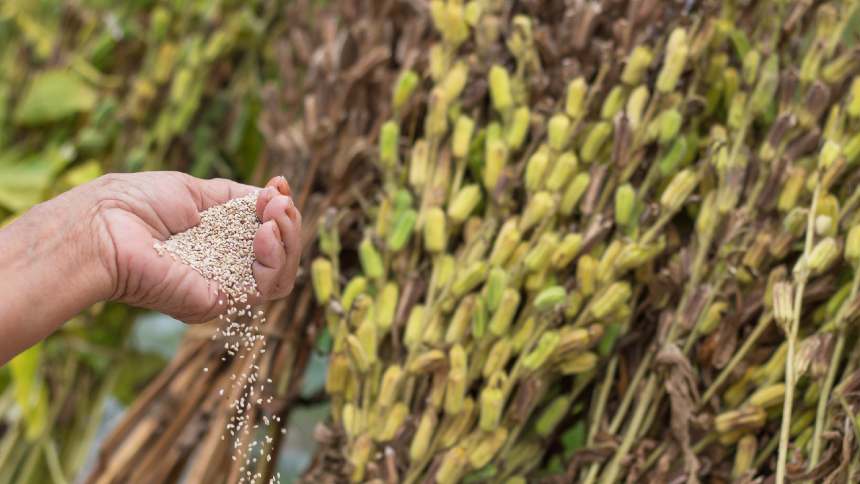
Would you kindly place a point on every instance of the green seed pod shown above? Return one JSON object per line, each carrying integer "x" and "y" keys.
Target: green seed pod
{"x": 401, "y": 230}
{"x": 830, "y": 152}
{"x": 436, "y": 121}
{"x": 392, "y": 422}
{"x": 853, "y": 98}
{"x": 388, "y": 392}
{"x": 574, "y": 191}
{"x": 765, "y": 89}
{"x": 371, "y": 260}
{"x": 322, "y": 279}
{"x": 455, "y": 428}
{"x": 574, "y": 304}
{"x": 538, "y": 258}
{"x": 457, "y": 380}
{"x": 368, "y": 337}
{"x": 427, "y": 361}
{"x": 595, "y": 140}
{"x": 487, "y": 447}
{"x": 418, "y": 164}
{"x": 564, "y": 167}
{"x": 852, "y": 149}
{"x": 550, "y": 298}
{"x": 708, "y": 219}
{"x": 462, "y": 136}
{"x": 389, "y": 138}
{"x": 625, "y": 204}
{"x": 496, "y": 158}
{"x": 435, "y": 231}
{"x": 566, "y": 251}
{"x": 500, "y": 89}
{"x": 359, "y": 356}
{"x": 551, "y": 416}
{"x": 504, "y": 315}
{"x": 613, "y": 103}
{"x": 440, "y": 59}
{"x": 681, "y": 186}
{"x": 453, "y": 466}
{"x": 384, "y": 214}
{"x": 496, "y": 284}
{"x": 671, "y": 161}
{"x": 435, "y": 329}
{"x": 852, "y": 245}
{"x": 386, "y": 305}
{"x": 744, "y": 456}
{"x": 669, "y": 125}
{"x": 523, "y": 334}
{"x": 575, "y": 101}
{"x": 480, "y": 315}
{"x": 823, "y": 255}
{"x": 539, "y": 207}
{"x": 357, "y": 285}
{"x": 337, "y": 375}
{"x": 638, "y": 61}
{"x": 492, "y": 401}
{"x": 444, "y": 268}
{"x": 545, "y": 347}
{"x": 423, "y": 435}
{"x": 403, "y": 88}
{"x": 454, "y": 82}
{"x": 614, "y": 296}
{"x": 677, "y": 49}
{"x": 769, "y": 396}
{"x": 536, "y": 169}
{"x": 606, "y": 265}
{"x": 467, "y": 280}
{"x": 516, "y": 131}
{"x": 498, "y": 357}
{"x": 462, "y": 319}
{"x": 635, "y": 255}
{"x": 712, "y": 317}
{"x": 558, "y": 131}
{"x": 506, "y": 242}
{"x": 578, "y": 364}
{"x": 751, "y": 61}
{"x": 636, "y": 106}
{"x": 586, "y": 275}
{"x": 464, "y": 203}
{"x": 362, "y": 307}
{"x": 359, "y": 455}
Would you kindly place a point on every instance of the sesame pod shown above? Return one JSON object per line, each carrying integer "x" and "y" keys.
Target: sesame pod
{"x": 453, "y": 466}
{"x": 464, "y": 203}
{"x": 573, "y": 305}
{"x": 435, "y": 232}
{"x": 574, "y": 191}
{"x": 500, "y": 89}
{"x": 636, "y": 103}
{"x": 401, "y": 230}
{"x": 386, "y": 305}
{"x": 671, "y": 161}
{"x": 462, "y": 319}
{"x": 462, "y": 136}
{"x": 575, "y": 100}
{"x": 496, "y": 158}
{"x": 456, "y": 382}
{"x": 414, "y": 326}
{"x": 516, "y": 131}
{"x": 578, "y": 364}
{"x": 669, "y": 125}
{"x": 614, "y": 296}
{"x": 564, "y": 167}
{"x": 496, "y": 284}
{"x": 508, "y": 238}
{"x": 586, "y": 274}
{"x": 359, "y": 356}
{"x": 535, "y": 281}
{"x": 636, "y": 255}
{"x": 751, "y": 62}
{"x": 550, "y": 298}
{"x": 523, "y": 334}
{"x": 389, "y": 138}
{"x": 391, "y": 379}
{"x": 613, "y": 103}
{"x": 748, "y": 417}
{"x": 712, "y": 317}
{"x": 391, "y": 422}
{"x": 357, "y": 285}
{"x": 359, "y": 455}
{"x": 322, "y": 279}
{"x": 638, "y": 61}
{"x": 480, "y": 315}
{"x": 337, "y": 375}
{"x": 545, "y": 347}
{"x": 708, "y": 219}
{"x": 368, "y": 336}
{"x": 351, "y": 420}
{"x": 853, "y": 99}
{"x": 765, "y": 89}
{"x": 538, "y": 258}
{"x": 677, "y": 49}
{"x": 440, "y": 59}
{"x": 362, "y": 307}
{"x": 427, "y": 361}
{"x": 403, "y": 88}
{"x": 625, "y": 203}
{"x": 455, "y": 80}
{"x": 595, "y": 140}
{"x": 536, "y": 169}
{"x": 566, "y": 250}
{"x": 487, "y": 447}
{"x": 497, "y": 358}
{"x": 423, "y": 435}
{"x": 539, "y": 207}
{"x": 681, "y": 186}
{"x": 458, "y": 425}
{"x": 436, "y": 120}
{"x": 558, "y": 131}
{"x": 574, "y": 339}
{"x": 418, "y": 162}
{"x": 492, "y": 401}
{"x": 504, "y": 315}
{"x": 371, "y": 260}
{"x": 744, "y": 456}
{"x": 435, "y": 329}
{"x": 608, "y": 259}
{"x": 467, "y": 280}
{"x": 769, "y": 396}
{"x": 828, "y": 154}
{"x": 823, "y": 255}
{"x": 444, "y": 267}
{"x": 791, "y": 189}
{"x": 551, "y": 416}
{"x": 852, "y": 245}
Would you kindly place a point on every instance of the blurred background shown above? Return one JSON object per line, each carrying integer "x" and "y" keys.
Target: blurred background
{"x": 94, "y": 86}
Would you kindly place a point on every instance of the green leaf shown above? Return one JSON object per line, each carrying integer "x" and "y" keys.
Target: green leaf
{"x": 54, "y": 95}
{"x": 30, "y": 393}
{"x": 23, "y": 182}
{"x": 83, "y": 173}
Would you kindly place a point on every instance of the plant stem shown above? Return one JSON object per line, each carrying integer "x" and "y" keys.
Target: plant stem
{"x": 610, "y": 475}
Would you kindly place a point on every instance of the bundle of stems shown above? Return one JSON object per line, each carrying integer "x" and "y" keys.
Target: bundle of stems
{"x": 644, "y": 265}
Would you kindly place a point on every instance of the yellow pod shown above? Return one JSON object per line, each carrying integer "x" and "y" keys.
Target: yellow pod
{"x": 562, "y": 170}
{"x": 453, "y": 466}
{"x": 506, "y": 241}
{"x": 586, "y": 275}
{"x": 464, "y": 202}
{"x": 492, "y": 401}
{"x": 337, "y": 375}
{"x": 427, "y": 361}
{"x": 540, "y": 206}
{"x": 496, "y": 158}
{"x": 458, "y": 425}
{"x": 523, "y": 334}
{"x": 545, "y": 347}
{"x": 322, "y": 279}
{"x": 386, "y": 305}
{"x": 638, "y": 61}
{"x": 423, "y": 435}
{"x": 414, "y": 326}
{"x": 487, "y": 447}
{"x": 578, "y": 364}
{"x": 769, "y": 396}
{"x": 536, "y": 169}
{"x": 615, "y": 295}
{"x": 538, "y": 258}
{"x": 388, "y": 393}
{"x": 748, "y": 417}
{"x": 574, "y": 105}
{"x": 504, "y": 314}
{"x": 500, "y": 88}
{"x": 677, "y": 49}
{"x": 574, "y": 191}
{"x": 558, "y": 131}
{"x": 462, "y": 136}
{"x": 359, "y": 455}
{"x": 498, "y": 357}
{"x": 566, "y": 251}
{"x": 469, "y": 279}
{"x": 744, "y": 455}
{"x": 391, "y": 422}
{"x": 459, "y": 325}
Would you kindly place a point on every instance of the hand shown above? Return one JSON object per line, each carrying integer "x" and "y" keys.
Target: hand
{"x": 133, "y": 211}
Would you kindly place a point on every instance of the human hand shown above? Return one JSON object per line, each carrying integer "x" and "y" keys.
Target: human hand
{"x": 133, "y": 211}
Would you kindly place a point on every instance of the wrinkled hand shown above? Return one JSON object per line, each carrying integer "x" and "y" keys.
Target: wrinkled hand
{"x": 133, "y": 211}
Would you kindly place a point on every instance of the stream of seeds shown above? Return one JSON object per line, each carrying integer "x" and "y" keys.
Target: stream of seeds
{"x": 221, "y": 249}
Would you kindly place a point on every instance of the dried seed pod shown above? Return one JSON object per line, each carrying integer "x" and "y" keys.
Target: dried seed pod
{"x": 574, "y": 191}
{"x": 504, "y": 315}
{"x": 463, "y": 203}
{"x": 423, "y": 435}
{"x": 545, "y": 347}
{"x": 487, "y": 447}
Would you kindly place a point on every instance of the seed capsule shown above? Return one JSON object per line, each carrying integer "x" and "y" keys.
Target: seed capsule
{"x": 523, "y": 334}
{"x": 386, "y": 306}
{"x": 595, "y": 140}
{"x": 458, "y": 426}
{"x": 427, "y": 361}
{"x": 545, "y": 347}
{"x": 712, "y": 318}
{"x": 423, "y": 435}
{"x": 575, "y": 100}
{"x": 574, "y": 191}
{"x": 748, "y": 417}
{"x": 578, "y": 364}
{"x": 496, "y": 284}
{"x": 768, "y": 396}
{"x": 460, "y": 322}
{"x": 338, "y": 373}
{"x": 613, "y": 103}
{"x": 371, "y": 261}
{"x": 455, "y": 80}
{"x": 435, "y": 232}
{"x": 497, "y": 358}
{"x": 504, "y": 315}
{"x": 414, "y": 326}
{"x": 389, "y": 138}
{"x": 391, "y": 379}
{"x": 677, "y": 49}
{"x": 391, "y": 422}
{"x": 444, "y": 268}
{"x": 500, "y": 89}
{"x": 536, "y": 169}
{"x": 636, "y": 106}
{"x": 852, "y": 245}
{"x": 558, "y": 130}
{"x": 517, "y": 130}
{"x": 357, "y": 285}
{"x": 574, "y": 304}
{"x": 457, "y": 379}
{"x": 359, "y": 356}
{"x": 464, "y": 202}
{"x": 765, "y": 89}
{"x": 550, "y": 298}
{"x": 401, "y": 230}
{"x": 322, "y": 279}
{"x": 638, "y": 61}
{"x": 496, "y": 158}
{"x": 453, "y": 466}
{"x": 418, "y": 164}
{"x": 681, "y": 186}
{"x": 625, "y": 203}
{"x": 462, "y": 136}
{"x": 487, "y": 447}
{"x": 670, "y": 124}
{"x": 551, "y": 416}
{"x": 744, "y": 456}
{"x": 564, "y": 167}
{"x": 614, "y": 296}
{"x": 575, "y": 339}
{"x": 467, "y": 280}
{"x": 506, "y": 241}
{"x": 586, "y": 275}
{"x": 823, "y": 255}
{"x": 539, "y": 207}
{"x": 491, "y": 408}
{"x": 537, "y": 259}
{"x": 403, "y": 88}
{"x": 566, "y": 251}
{"x": 359, "y": 456}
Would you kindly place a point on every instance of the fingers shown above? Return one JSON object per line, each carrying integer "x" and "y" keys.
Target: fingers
{"x": 271, "y": 258}
{"x": 208, "y": 193}
{"x": 276, "y": 273}
{"x": 277, "y": 185}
